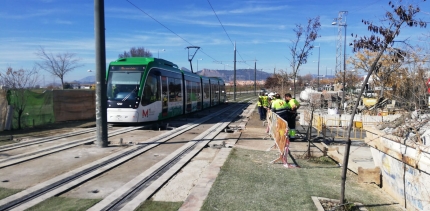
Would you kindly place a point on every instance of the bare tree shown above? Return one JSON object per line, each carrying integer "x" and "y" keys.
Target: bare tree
{"x": 136, "y": 52}
{"x": 283, "y": 78}
{"x": 413, "y": 79}
{"x": 301, "y": 50}
{"x": 59, "y": 64}
{"x": 18, "y": 82}
{"x": 383, "y": 37}
{"x": 271, "y": 82}
{"x": 307, "y": 79}
{"x": 384, "y": 73}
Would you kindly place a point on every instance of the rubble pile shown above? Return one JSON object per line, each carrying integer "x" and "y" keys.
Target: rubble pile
{"x": 413, "y": 128}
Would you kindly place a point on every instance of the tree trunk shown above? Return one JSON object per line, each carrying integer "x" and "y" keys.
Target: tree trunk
{"x": 62, "y": 83}
{"x": 351, "y": 121}
{"x": 294, "y": 85}
{"x": 20, "y": 111}
{"x": 310, "y": 132}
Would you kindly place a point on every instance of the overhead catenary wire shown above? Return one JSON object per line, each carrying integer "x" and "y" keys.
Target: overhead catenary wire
{"x": 137, "y": 7}
{"x": 226, "y": 31}
{"x": 168, "y": 28}
{"x": 220, "y": 23}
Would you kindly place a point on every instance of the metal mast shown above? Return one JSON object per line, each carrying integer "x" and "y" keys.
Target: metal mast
{"x": 190, "y": 57}
{"x": 341, "y": 22}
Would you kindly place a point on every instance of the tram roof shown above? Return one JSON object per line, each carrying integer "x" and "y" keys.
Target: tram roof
{"x": 143, "y": 61}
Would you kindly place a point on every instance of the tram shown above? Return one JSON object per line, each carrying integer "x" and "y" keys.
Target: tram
{"x": 145, "y": 89}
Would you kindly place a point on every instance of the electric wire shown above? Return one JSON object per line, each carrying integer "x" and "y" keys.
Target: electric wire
{"x": 226, "y": 31}
{"x": 220, "y": 22}
{"x": 217, "y": 61}
{"x": 168, "y": 29}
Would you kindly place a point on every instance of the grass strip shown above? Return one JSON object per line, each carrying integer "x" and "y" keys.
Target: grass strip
{"x": 248, "y": 181}
{"x": 64, "y": 204}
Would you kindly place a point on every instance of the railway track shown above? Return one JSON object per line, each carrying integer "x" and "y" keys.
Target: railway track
{"x": 13, "y": 160}
{"x": 165, "y": 169}
{"x": 132, "y": 194}
{"x": 44, "y": 140}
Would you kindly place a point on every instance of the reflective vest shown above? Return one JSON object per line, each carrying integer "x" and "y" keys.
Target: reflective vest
{"x": 279, "y": 104}
{"x": 265, "y": 101}
{"x": 259, "y": 101}
{"x": 293, "y": 104}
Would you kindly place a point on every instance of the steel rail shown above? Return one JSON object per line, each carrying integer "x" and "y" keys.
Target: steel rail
{"x": 44, "y": 139}
{"x": 144, "y": 185}
{"x": 12, "y": 160}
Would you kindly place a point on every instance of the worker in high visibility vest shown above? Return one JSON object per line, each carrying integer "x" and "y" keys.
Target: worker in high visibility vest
{"x": 293, "y": 105}
{"x": 264, "y": 106}
{"x": 260, "y": 105}
{"x": 279, "y": 106}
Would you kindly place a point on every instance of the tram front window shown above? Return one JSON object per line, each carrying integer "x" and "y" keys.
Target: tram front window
{"x": 123, "y": 85}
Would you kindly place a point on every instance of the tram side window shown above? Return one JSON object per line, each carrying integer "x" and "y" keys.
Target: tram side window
{"x": 214, "y": 92}
{"x": 217, "y": 92}
{"x": 151, "y": 91}
{"x": 175, "y": 90}
{"x": 198, "y": 91}
{"x": 178, "y": 90}
{"x": 193, "y": 94}
{"x": 206, "y": 90}
{"x": 164, "y": 90}
{"x": 223, "y": 94}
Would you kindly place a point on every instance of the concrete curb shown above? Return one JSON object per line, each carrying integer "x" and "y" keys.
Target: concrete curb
{"x": 317, "y": 203}
{"x": 198, "y": 193}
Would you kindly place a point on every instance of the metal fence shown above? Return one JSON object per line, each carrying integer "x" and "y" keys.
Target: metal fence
{"x": 337, "y": 128}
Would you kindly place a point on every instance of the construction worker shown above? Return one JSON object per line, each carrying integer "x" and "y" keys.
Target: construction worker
{"x": 265, "y": 106}
{"x": 292, "y": 107}
{"x": 260, "y": 105}
{"x": 279, "y": 106}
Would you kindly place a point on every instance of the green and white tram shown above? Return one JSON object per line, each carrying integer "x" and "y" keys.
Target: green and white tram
{"x": 144, "y": 89}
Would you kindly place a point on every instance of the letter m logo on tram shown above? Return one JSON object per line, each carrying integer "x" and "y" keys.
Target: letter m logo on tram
{"x": 145, "y": 113}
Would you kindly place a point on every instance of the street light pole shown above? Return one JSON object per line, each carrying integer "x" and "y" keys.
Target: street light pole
{"x": 255, "y": 77}
{"x": 318, "y": 76}
{"x": 344, "y": 68}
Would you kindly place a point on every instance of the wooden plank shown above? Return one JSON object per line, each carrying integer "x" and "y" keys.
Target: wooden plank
{"x": 369, "y": 175}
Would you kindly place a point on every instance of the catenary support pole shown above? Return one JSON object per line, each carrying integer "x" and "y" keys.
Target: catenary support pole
{"x": 255, "y": 78}
{"x": 234, "y": 78}
{"x": 101, "y": 99}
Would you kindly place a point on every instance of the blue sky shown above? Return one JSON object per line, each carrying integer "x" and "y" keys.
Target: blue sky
{"x": 262, "y": 30}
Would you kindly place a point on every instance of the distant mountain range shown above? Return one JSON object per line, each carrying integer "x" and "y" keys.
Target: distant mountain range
{"x": 86, "y": 80}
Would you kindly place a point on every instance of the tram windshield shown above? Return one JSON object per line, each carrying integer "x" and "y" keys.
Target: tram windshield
{"x": 123, "y": 85}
